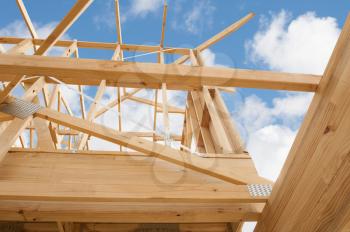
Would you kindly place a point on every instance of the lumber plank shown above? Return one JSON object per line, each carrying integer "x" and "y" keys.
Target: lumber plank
{"x": 64, "y": 177}
{"x": 147, "y": 75}
{"x": 101, "y": 45}
{"x": 111, "y": 212}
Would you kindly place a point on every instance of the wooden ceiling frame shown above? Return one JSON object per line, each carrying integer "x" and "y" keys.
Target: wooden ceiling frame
{"x": 313, "y": 184}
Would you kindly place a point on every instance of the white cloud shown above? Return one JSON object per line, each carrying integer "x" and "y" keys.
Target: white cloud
{"x": 269, "y": 146}
{"x": 199, "y": 17}
{"x": 19, "y": 29}
{"x": 300, "y": 45}
{"x": 195, "y": 20}
{"x": 303, "y": 44}
{"x": 144, "y": 7}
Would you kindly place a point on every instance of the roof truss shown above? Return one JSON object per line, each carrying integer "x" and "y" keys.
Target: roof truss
{"x": 219, "y": 171}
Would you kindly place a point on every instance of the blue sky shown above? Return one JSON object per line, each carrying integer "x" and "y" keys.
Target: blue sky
{"x": 291, "y": 36}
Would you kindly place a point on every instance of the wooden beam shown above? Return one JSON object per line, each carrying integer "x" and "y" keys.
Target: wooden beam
{"x": 21, "y": 47}
{"x": 5, "y": 117}
{"x": 26, "y": 18}
{"x": 118, "y": 23}
{"x": 228, "y": 30}
{"x": 17, "y": 126}
{"x": 83, "y": 178}
{"x": 171, "y": 109}
{"x": 102, "y": 45}
{"x": 127, "y": 212}
{"x": 17, "y": 79}
{"x": 147, "y": 75}
{"x": 312, "y": 192}
{"x": 221, "y": 169}
{"x": 60, "y": 227}
{"x": 127, "y": 227}
{"x": 230, "y": 127}
{"x": 11, "y": 133}
{"x": 115, "y": 102}
{"x": 92, "y": 112}
{"x": 63, "y": 26}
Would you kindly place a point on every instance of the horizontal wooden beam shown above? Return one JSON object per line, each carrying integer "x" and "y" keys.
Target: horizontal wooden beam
{"x": 132, "y": 212}
{"x": 101, "y": 45}
{"x": 147, "y": 75}
{"x": 78, "y": 177}
{"x": 127, "y": 227}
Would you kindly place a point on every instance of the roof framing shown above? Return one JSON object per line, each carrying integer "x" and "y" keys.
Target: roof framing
{"x": 215, "y": 181}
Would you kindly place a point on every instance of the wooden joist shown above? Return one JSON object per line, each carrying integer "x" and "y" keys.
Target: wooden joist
{"x": 147, "y": 75}
{"x": 313, "y": 191}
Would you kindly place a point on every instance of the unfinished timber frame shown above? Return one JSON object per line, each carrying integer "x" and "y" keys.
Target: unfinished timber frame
{"x": 201, "y": 180}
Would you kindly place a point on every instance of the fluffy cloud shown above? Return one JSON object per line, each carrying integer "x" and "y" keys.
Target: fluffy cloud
{"x": 300, "y": 45}
{"x": 144, "y": 7}
{"x": 195, "y": 20}
{"x": 19, "y": 29}
{"x": 199, "y": 17}
{"x": 303, "y": 44}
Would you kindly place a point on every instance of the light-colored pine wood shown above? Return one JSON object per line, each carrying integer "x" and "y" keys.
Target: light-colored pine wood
{"x": 27, "y": 19}
{"x": 132, "y": 74}
{"x": 5, "y": 117}
{"x": 102, "y": 45}
{"x": 99, "y": 178}
{"x": 17, "y": 126}
{"x": 21, "y": 47}
{"x": 92, "y": 110}
{"x": 114, "y": 103}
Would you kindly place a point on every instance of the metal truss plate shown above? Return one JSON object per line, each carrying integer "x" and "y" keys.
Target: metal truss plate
{"x": 259, "y": 190}
{"x": 20, "y": 108}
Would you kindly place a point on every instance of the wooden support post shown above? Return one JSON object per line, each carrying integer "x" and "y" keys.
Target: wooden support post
{"x": 312, "y": 192}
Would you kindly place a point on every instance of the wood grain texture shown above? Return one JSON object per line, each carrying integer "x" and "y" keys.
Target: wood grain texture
{"x": 147, "y": 75}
